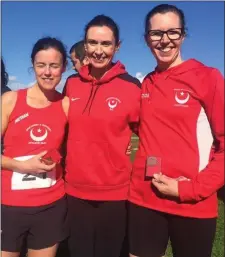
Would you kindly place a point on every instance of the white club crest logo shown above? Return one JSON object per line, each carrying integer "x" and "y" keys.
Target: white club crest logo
{"x": 181, "y": 96}
{"x": 145, "y": 95}
{"x": 113, "y": 102}
{"x": 38, "y": 133}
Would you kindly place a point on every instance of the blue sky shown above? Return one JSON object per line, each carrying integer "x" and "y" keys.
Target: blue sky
{"x": 23, "y": 23}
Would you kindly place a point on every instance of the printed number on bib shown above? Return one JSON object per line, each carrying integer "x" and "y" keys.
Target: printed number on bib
{"x": 27, "y": 181}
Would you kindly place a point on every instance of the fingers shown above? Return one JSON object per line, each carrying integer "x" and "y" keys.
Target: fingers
{"x": 158, "y": 185}
{"x": 46, "y": 167}
{"x": 162, "y": 178}
{"x": 43, "y": 168}
{"x": 47, "y": 164}
{"x": 38, "y": 171}
{"x": 46, "y": 161}
{"x": 41, "y": 154}
{"x": 166, "y": 186}
{"x": 162, "y": 188}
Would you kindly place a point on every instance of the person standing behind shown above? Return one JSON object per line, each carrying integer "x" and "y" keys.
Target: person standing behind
{"x": 78, "y": 56}
{"x": 4, "y": 78}
{"x": 4, "y": 88}
{"x": 34, "y": 207}
{"x": 101, "y": 120}
{"x": 179, "y": 166}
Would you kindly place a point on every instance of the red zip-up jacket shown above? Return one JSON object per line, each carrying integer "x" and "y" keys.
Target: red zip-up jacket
{"x": 102, "y": 115}
{"x": 182, "y": 122}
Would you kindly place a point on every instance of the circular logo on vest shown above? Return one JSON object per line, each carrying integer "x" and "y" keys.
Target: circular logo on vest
{"x": 112, "y": 102}
{"x": 38, "y": 133}
{"x": 181, "y": 96}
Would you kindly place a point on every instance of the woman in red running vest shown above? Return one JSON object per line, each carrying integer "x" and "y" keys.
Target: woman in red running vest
{"x": 180, "y": 162}
{"x": 33, "y": 124}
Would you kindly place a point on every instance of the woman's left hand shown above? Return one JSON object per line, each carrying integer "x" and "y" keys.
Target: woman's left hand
{"x": 165, "y": 185}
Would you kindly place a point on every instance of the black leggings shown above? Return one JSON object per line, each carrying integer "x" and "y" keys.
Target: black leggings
{"x": 97, "y": 228}
{"x": 149, "y": 232}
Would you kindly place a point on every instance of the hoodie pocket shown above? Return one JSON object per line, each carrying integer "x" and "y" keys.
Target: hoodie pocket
{"x": 95, "y": 164}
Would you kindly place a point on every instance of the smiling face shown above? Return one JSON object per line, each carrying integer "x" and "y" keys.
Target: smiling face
{"x": 48, "y": 67}
{"x": 100, "y": 46}
{"x": 165, "y": 46}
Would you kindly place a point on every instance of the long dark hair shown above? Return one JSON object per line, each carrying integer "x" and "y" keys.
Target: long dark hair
{"x": 100, "y": 21}
{"x": 4, "y": 75}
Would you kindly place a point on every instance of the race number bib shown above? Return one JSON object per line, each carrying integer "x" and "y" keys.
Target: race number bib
{"x": 27, "y": 181}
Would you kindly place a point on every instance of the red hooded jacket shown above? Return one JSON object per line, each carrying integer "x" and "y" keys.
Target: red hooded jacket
{"x": 102, "y": 115}
{"x": 182, "y": 116}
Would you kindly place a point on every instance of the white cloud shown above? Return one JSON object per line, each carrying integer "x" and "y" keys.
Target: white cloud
{"x": 12, "y": 78}
{"x": 15, "y": 85}
{"x": 140, "y": 76}
{"x": 31, "y": 83}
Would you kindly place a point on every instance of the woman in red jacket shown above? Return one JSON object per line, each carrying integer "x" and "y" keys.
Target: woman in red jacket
{"x": 179, "y": 165}
{"x": 34, "y": 207}
{"x": 104, "y": 110}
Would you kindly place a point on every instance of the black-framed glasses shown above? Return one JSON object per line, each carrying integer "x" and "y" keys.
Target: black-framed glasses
{"x": 172, "y": 34}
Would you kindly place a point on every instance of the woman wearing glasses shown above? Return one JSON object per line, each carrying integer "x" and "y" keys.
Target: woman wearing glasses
{"x": 179, "y": 165}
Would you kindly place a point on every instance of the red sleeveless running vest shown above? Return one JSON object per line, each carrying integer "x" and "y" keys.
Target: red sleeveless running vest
{"x": 29, "y": 132}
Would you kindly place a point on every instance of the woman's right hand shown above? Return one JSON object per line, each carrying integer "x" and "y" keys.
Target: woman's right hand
{"x": 34, "y": 165}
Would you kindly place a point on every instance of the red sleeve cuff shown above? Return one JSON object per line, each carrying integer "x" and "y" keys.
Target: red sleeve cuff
{"x": 185, "y": 190}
